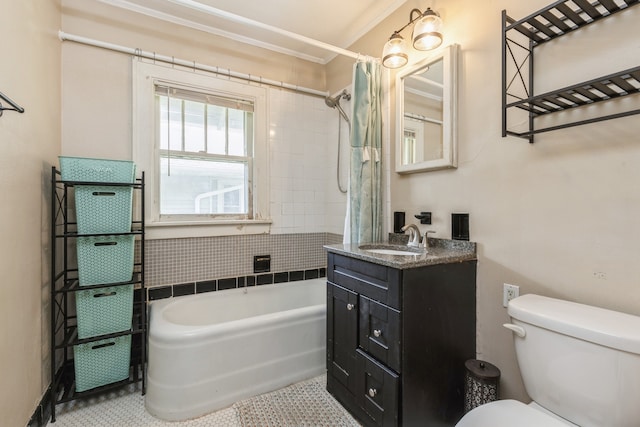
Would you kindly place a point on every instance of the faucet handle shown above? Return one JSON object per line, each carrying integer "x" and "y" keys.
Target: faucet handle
{"x": 425, "y": 242}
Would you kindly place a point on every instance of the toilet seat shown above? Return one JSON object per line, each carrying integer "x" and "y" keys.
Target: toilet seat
{"x": 509, "y": 413}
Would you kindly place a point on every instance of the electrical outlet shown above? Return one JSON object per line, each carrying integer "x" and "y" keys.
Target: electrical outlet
{"x": 509, "y": 292}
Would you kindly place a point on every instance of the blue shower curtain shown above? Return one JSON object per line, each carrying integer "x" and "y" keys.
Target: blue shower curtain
{"x": 365, "y": 207}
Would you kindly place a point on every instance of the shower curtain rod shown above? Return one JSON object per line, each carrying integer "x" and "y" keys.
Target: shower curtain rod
{"x": 242, "y": 20}
{"x": 190, "y": 64}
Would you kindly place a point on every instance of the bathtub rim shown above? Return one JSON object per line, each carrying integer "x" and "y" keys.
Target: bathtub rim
{"x": 162, "y": 331}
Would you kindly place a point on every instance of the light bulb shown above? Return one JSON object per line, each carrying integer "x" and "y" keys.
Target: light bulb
{"x": 394, "y": 53}
{"x": 426, "y": 32}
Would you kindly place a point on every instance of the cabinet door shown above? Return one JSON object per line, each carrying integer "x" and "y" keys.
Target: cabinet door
{"x": 380, "y": 332}
{"x": 342, "y": 334}
{"x": 377, "y": 391}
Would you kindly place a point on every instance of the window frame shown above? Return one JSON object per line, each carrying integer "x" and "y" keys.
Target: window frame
{"x": 146, "y": 150}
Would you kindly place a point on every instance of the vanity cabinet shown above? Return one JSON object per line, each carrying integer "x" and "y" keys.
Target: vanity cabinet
{"x": 397, "y": 339}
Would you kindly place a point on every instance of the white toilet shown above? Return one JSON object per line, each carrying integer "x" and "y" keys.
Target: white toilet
{"x": 579, "y": 364}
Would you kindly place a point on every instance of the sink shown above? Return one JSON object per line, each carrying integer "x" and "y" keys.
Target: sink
{"x": 392, "y": 252}
{"x": 383, "y": 249}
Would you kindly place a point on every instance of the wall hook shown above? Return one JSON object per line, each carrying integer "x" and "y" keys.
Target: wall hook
{"x": 15, "y": 106}
{"x": 424, "y": 217}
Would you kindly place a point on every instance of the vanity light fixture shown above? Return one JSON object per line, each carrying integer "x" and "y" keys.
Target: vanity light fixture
{"x": 426, "y": 36}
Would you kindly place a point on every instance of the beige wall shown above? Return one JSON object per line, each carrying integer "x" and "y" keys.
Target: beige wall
{"x": 29, "y": 142}
{"x": 559, "y": 217}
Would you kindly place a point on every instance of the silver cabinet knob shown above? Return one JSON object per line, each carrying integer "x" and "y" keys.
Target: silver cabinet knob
{"x": 350, "y": 306}
{"x": 377, "y": 333}
{"x": 373, "y": 392}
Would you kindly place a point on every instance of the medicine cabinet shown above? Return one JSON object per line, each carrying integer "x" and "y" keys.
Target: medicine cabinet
{"x": 426, "y": 137}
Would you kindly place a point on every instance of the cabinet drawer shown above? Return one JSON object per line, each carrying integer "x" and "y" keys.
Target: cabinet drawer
{"x": 377, "y": 390}
{"x": 377, "y": 282}
{"x": 379, "y": 332}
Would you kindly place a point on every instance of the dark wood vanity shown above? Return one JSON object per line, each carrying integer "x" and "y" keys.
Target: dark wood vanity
{"x": 399, "y": 330}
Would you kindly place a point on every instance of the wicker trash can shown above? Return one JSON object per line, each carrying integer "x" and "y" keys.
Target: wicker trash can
{"x": 482, "y": 380}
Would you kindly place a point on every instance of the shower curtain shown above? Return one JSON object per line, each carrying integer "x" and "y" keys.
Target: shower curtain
{"x": 364, "y": 212}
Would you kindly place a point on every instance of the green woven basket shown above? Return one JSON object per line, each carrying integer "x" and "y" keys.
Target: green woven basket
{"x": 103, "y": 209}
{"x": 96, "y": 170}
{"x": 104, "y": 311}
{"x": 102, "y": 362}
{"x": 105, "y": 259}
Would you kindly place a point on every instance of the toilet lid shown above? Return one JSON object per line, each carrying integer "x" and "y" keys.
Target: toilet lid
{"x": 508, "y": 413}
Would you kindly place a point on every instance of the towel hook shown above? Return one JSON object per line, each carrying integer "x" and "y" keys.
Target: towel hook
{"x": 8, "y": 100}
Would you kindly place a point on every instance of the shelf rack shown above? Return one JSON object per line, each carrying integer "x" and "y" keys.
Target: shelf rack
{"x": 547, "y": 24}
{"x": 64, "y": 282}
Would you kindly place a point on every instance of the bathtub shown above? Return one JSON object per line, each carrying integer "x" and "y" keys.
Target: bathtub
{"x": 207, "y": 351}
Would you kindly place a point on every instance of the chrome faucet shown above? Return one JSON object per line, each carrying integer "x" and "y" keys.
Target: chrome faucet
{"x": 414, "y": 235}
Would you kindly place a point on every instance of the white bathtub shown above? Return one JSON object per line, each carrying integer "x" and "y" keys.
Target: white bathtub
{"x": 207, "y": 351}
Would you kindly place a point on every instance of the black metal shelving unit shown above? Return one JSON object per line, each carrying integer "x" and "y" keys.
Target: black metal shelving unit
{"x": 64, "y": 282}
{"x": 547, "y": 24}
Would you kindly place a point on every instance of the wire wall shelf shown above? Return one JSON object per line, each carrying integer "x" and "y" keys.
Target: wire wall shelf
{"x": 547, "y": 24}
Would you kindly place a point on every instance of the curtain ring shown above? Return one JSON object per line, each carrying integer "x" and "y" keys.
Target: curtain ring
{"x": 194, "y": 66}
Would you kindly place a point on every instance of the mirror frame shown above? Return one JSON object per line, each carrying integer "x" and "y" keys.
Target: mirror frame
{"x": 449, "y": 56}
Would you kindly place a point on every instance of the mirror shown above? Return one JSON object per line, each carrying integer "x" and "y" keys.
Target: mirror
{"x": 426, "y": 113}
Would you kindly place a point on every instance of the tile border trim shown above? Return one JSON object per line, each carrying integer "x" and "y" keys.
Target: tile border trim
{"x": 214, "y": 285}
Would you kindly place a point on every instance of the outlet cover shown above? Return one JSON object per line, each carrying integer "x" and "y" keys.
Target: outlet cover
{"x": 509, "y": 292}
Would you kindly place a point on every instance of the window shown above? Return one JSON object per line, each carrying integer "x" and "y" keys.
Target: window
{"x": 205, "y": 154}
{"x": 409, "y": 147}
{"x": 413, "y": 147}
{"x": 202, "y": 142}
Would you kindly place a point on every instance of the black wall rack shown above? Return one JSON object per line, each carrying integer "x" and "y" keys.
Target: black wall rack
{"x": 64, "y": 282}
{"x": 549, "y": 23}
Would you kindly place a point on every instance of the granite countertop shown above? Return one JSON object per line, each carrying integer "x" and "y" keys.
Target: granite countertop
{"x": 440, "y": 251}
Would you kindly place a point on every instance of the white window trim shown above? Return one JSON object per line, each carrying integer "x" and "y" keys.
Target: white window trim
{"x": 145, "y": 151}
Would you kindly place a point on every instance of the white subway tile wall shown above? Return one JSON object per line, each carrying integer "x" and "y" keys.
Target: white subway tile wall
{"x": 298, "y": 139}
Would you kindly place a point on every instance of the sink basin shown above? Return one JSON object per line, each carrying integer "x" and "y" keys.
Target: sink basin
{"x": 392, "y": 252}
{"x": 383, "y": 249}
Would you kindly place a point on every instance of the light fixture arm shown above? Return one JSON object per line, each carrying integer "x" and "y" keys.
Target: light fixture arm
{"x": 412, "y": 19}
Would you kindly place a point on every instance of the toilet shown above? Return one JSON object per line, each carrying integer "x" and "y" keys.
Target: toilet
{"x": 580, "y": 365}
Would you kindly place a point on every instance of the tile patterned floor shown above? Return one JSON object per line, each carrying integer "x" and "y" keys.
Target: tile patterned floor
{"x": 306, "y": 403}
{"x": 125, "y": 407}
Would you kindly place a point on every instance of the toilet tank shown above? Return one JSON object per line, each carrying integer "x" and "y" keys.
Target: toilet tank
{"x": 579, "y": 362}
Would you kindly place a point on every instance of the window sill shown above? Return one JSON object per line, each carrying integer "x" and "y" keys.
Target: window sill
{"x": 181, "y": 229}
